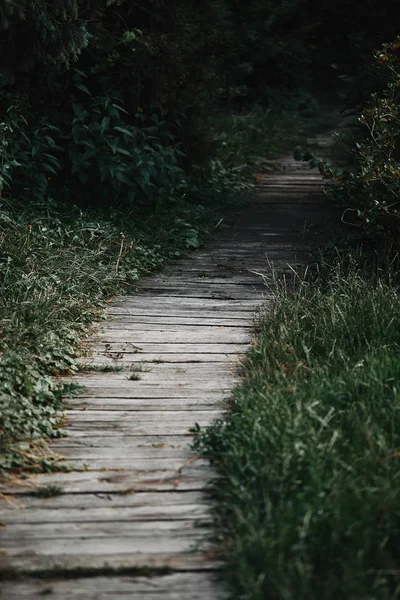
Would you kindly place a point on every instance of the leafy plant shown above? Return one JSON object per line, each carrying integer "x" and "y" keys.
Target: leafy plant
{"x": 57, "y": 265}
{"x": 307, "y": 504}
{"x": 372, "y": 190}
{"x": 47, "y": 491}
{"x": 122, "y": 159}
{"x": 29, "y": 155}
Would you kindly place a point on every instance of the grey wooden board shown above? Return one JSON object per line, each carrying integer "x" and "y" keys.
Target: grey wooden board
{"x": 151, "y": 427}
{"x": 221, "y": 317}
{"x": 153, "y": 460}
{"x": 124, "y": 514}
{"x": 132, "y": 453}
{"x": 138, "y": 404}
{"x": 126, "y": 441}
{"x": 106, "y": 481}
{"x": 151, "y": 374}
{"x": 207, "y": 293}
{"x": 204, "y": 289}
{"x": 214, "y": 306}
{"x": 130, "y": 390}
{"x": 178, "y": 586}
{"x": 247, "y": 280}
{"x": 201, "y": 335}
{"x": 155, "y": 357}
{"x": 128, "y": 324}
{"x": 179, "y": 369}
{"x": 31, "y": 562}
{"x": 124, "y": 417}
{"x": 168, "y": 348}
{"x": 168, "y": 542}
{"x": 154, "y": 322}
{"x": 241, "y": 281}
{"x": 26, "y": 507}
{"x": 220, "y": 302}
{"x": 145, "y": 530}
{"x": 197, "y": 375}
{"x": 137, "y": 492}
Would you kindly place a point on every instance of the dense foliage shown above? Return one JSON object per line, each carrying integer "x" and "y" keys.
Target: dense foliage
{"x": 58, "y": 265}
{"x": 307, "y": 505}
{"x": 371, "y": 189}
{"x": 105, "y": 101}
{"x": 153, "y": 109}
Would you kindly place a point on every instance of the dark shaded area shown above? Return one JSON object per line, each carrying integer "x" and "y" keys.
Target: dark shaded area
{"x": 110, "y": 99}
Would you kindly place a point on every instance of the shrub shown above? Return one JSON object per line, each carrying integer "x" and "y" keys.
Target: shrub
{"x": 371, "y": 190}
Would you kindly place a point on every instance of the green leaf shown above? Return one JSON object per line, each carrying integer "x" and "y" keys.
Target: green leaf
{"x": 124, "y": 152}
{"x": 104, "y": 124}
{"x": 83, "y": 88}
{"x": 120, "y": 108}
{"x": 83, "y": 176}
{"x": 49, "y": 169}
{"x": 124, "y": 179}
{"x": 125, "y": 131}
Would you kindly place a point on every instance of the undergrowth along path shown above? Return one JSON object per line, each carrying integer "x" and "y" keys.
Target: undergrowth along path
{"x": 130, "y": 518}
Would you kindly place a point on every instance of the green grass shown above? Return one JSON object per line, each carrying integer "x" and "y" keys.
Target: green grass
{"x": 308, "y": 502}
{"x": 59, "y": 264}
{"x": 253, "y": 140}
{"x": 47, "y": 491}
{"x": 57, "y": 267}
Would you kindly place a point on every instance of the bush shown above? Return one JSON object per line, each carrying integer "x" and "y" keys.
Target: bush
{"x": 57, "y": 267}
{"x": 307, "y": 505}
{"x": 372, "y": 190}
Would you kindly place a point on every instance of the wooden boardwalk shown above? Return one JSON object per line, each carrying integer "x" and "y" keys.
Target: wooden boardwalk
{"x": 132, "y": 517}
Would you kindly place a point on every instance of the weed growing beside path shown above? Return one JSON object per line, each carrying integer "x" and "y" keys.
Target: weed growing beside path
{"x": 308, "y": 501}
{"x": 57, "y": 267}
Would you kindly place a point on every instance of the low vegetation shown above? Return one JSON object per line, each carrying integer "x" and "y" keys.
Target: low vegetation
{"x": 60, "y": 263}
{"x": 57, "y": 270}
{"x": 125, "y": 129}
{"x": 307, "y": 505}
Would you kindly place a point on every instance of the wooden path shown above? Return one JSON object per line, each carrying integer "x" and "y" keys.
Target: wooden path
{"x": 133, "y": 513}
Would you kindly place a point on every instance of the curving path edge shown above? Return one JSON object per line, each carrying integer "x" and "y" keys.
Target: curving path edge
{"x": 133, "y": 512}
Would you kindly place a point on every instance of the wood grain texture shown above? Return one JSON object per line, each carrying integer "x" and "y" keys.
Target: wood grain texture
{"x": 135, "y": 494}
{"x": 178, "y": 586}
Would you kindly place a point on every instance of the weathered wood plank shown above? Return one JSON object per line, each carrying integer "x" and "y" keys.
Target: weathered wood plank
{"x": 125, "y": 514}
{"x": 122, "y": 416}
{"x": 138, "y": 532}
{"x": 205, "y": 336}
{"x": 198, "y": 370}
{"x": 129, "y": 391}
{"x": 172, "y": 312}
{"x": 138, "y": 404}
{"x": 107, "y": 440}
{"x": 158, "y": 324}
{"x": 82, "y": 428}
{"x": 151, "y": 373}
{"x": 168, "y": 457}
{"x": 150, "y": 460}
{"x": 179, "y": 586}
{"x": 173, "y": 348}
{"x": 194, "y": 477}
{"x": 158, "y": 543}
{"x": 190, "y": 561}
{"x": 26, "y": 505}
{"x": 165, "y": 357}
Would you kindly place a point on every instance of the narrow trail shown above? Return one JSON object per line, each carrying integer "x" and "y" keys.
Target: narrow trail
{"x": 133, "y": 513}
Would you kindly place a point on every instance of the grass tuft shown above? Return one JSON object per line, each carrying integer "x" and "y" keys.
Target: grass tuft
{"x": 57, "y": 267}
{"x": 308, "y": 504}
